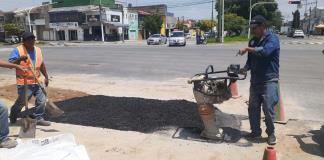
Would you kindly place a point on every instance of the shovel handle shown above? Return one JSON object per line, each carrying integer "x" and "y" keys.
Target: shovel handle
{"x": 26, "y": 93}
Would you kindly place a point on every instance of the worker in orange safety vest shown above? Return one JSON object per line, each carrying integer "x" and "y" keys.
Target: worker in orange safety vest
{"x": 31, "y": 57}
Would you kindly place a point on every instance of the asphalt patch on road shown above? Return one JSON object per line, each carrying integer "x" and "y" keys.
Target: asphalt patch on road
{"x": 141, "y": 115}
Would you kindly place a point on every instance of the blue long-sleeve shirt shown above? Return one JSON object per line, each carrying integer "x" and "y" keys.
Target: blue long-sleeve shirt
{"x": 264, "y": 63}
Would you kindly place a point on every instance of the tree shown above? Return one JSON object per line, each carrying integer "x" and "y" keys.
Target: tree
{"x": 11, "y": 29}
{"x": 296, "y": 20}
{"x": 234, "y": 23}
{"x": 277, "y": 22}
{"x": 242, "y": 8}
{"x": 206, "y": 25}
{"x": 153, "y": 24}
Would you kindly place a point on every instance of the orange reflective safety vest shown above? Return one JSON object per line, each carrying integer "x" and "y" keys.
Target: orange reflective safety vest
{"x": 30, "y": 66}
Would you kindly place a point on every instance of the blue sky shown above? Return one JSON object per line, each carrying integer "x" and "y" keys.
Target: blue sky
{"x": 196, "y": 12}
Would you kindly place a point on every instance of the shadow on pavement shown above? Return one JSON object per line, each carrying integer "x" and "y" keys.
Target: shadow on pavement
{"x": 142, "y": 115}
{"x": 316, "y": 147}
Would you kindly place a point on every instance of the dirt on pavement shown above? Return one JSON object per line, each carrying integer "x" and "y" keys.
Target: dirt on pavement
{"x": 9, "y": 92}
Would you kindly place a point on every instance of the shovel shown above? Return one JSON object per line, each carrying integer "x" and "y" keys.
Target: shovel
{"x": 28, "y": 123}
{"x": 50, "y": 107}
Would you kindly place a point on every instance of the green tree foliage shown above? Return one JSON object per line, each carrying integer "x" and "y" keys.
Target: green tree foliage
{"x": 206, "y": 25}
{"x": 153, "y": 24}
{"x": 11, "y": 29}
{"x": 277, "y": 22}
{"x": 242, "y": 8}
{"x": 234, "y": 23}
{"x": 296, "y": 20}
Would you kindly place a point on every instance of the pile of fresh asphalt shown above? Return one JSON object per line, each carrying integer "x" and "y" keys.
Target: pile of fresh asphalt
{"x": 138, "y": 114}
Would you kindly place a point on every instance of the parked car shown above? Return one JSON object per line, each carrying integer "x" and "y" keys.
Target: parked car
{"x": 298, "y": 34}
{"x": 177, "y": 38}
{"x": 12, "y": 39}
{"x": 157, "y": 39}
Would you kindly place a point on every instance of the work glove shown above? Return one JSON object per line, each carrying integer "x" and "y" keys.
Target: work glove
{"x": 243, "y": 71}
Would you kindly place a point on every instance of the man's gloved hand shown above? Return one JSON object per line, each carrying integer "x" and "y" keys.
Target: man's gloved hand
{"x": 243, "y": 71}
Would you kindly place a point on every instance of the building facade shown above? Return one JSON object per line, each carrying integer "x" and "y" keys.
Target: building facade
{"x": 168, "y": 19}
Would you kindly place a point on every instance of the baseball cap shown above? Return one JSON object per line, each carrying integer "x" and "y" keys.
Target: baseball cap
{"x": 257, "y": 20}
{"x": 27, "y": 35}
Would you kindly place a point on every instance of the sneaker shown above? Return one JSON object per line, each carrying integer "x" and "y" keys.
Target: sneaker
{"x": 8, "y": 143}
{"x": 42, "y": 122}
{"x": 253, "y": 136}
{"x": 272, "y": 140}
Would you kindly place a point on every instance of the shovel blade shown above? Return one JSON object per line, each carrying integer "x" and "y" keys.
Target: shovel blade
{"x": 53, "y": 110}
{"x": 28, "y": 128}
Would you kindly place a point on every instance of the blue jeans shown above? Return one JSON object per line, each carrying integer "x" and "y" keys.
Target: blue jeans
{"x": 265, "y": 95}
{"x": 33, "y": 90}
{"x": 4, "y": 125}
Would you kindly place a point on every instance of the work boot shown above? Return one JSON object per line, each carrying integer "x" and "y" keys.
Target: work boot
{"x": 42, "y": 122}
{"x": 272, "y": 140}
{"x": 253, "y": 136}
{"x": 8, "y": 143}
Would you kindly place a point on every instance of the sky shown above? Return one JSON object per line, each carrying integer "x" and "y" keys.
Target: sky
{"x": 202, "y": 11}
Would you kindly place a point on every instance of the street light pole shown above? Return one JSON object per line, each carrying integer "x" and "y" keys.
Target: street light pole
{"x": 101, "y": 23}
{"x": 251, "y": 8}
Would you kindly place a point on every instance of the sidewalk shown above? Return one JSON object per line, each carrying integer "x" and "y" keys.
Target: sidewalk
{"x": 94, "y": 43}
{"x": 121, "y": 140}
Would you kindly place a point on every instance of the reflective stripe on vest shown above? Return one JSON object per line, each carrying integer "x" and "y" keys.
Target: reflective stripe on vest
{"x": 30, "y": 66}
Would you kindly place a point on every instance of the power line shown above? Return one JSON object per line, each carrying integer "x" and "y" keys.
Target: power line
{"x": 190, "y": 4}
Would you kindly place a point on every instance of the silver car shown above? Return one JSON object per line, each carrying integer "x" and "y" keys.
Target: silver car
{"x": 157, "y": 39}
{"x": 177, "y": 39}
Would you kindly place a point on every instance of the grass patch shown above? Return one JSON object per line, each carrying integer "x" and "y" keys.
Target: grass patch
{"x": 229, "y": 39}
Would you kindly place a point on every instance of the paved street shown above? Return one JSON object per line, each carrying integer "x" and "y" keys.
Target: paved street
{"x": 301, "y": 66}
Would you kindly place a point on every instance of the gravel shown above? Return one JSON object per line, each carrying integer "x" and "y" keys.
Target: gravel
{"x": 129, "y": 114}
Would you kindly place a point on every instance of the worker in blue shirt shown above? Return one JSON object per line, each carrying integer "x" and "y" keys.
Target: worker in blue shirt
{"x": 263, "y": 62}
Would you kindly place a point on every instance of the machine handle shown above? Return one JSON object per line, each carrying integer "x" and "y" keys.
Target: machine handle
{"x": 207, "y": 69}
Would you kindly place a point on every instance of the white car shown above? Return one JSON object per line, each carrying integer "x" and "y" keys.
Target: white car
{"x": 157, "y": 39}
{"x": 298, "y": 33}
{"x": 177, "y": 38}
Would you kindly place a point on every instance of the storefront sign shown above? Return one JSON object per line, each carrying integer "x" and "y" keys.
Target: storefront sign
{"x": 64, "y": 25}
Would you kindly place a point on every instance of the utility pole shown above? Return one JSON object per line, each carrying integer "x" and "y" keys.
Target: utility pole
{"x": 101, "y": 23}
{"x": 309, "y": 20}
{"x": 220, "y": 16}
{"x": 123, "y": 14}
{"x": 223, "y": 19}
{"x": 212, "y": 13}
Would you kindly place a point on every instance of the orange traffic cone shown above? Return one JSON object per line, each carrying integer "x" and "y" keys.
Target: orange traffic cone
{"x": 270, "y": 153}
{"x": 280, "y": 110}
{"x": 234, "y": 89}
